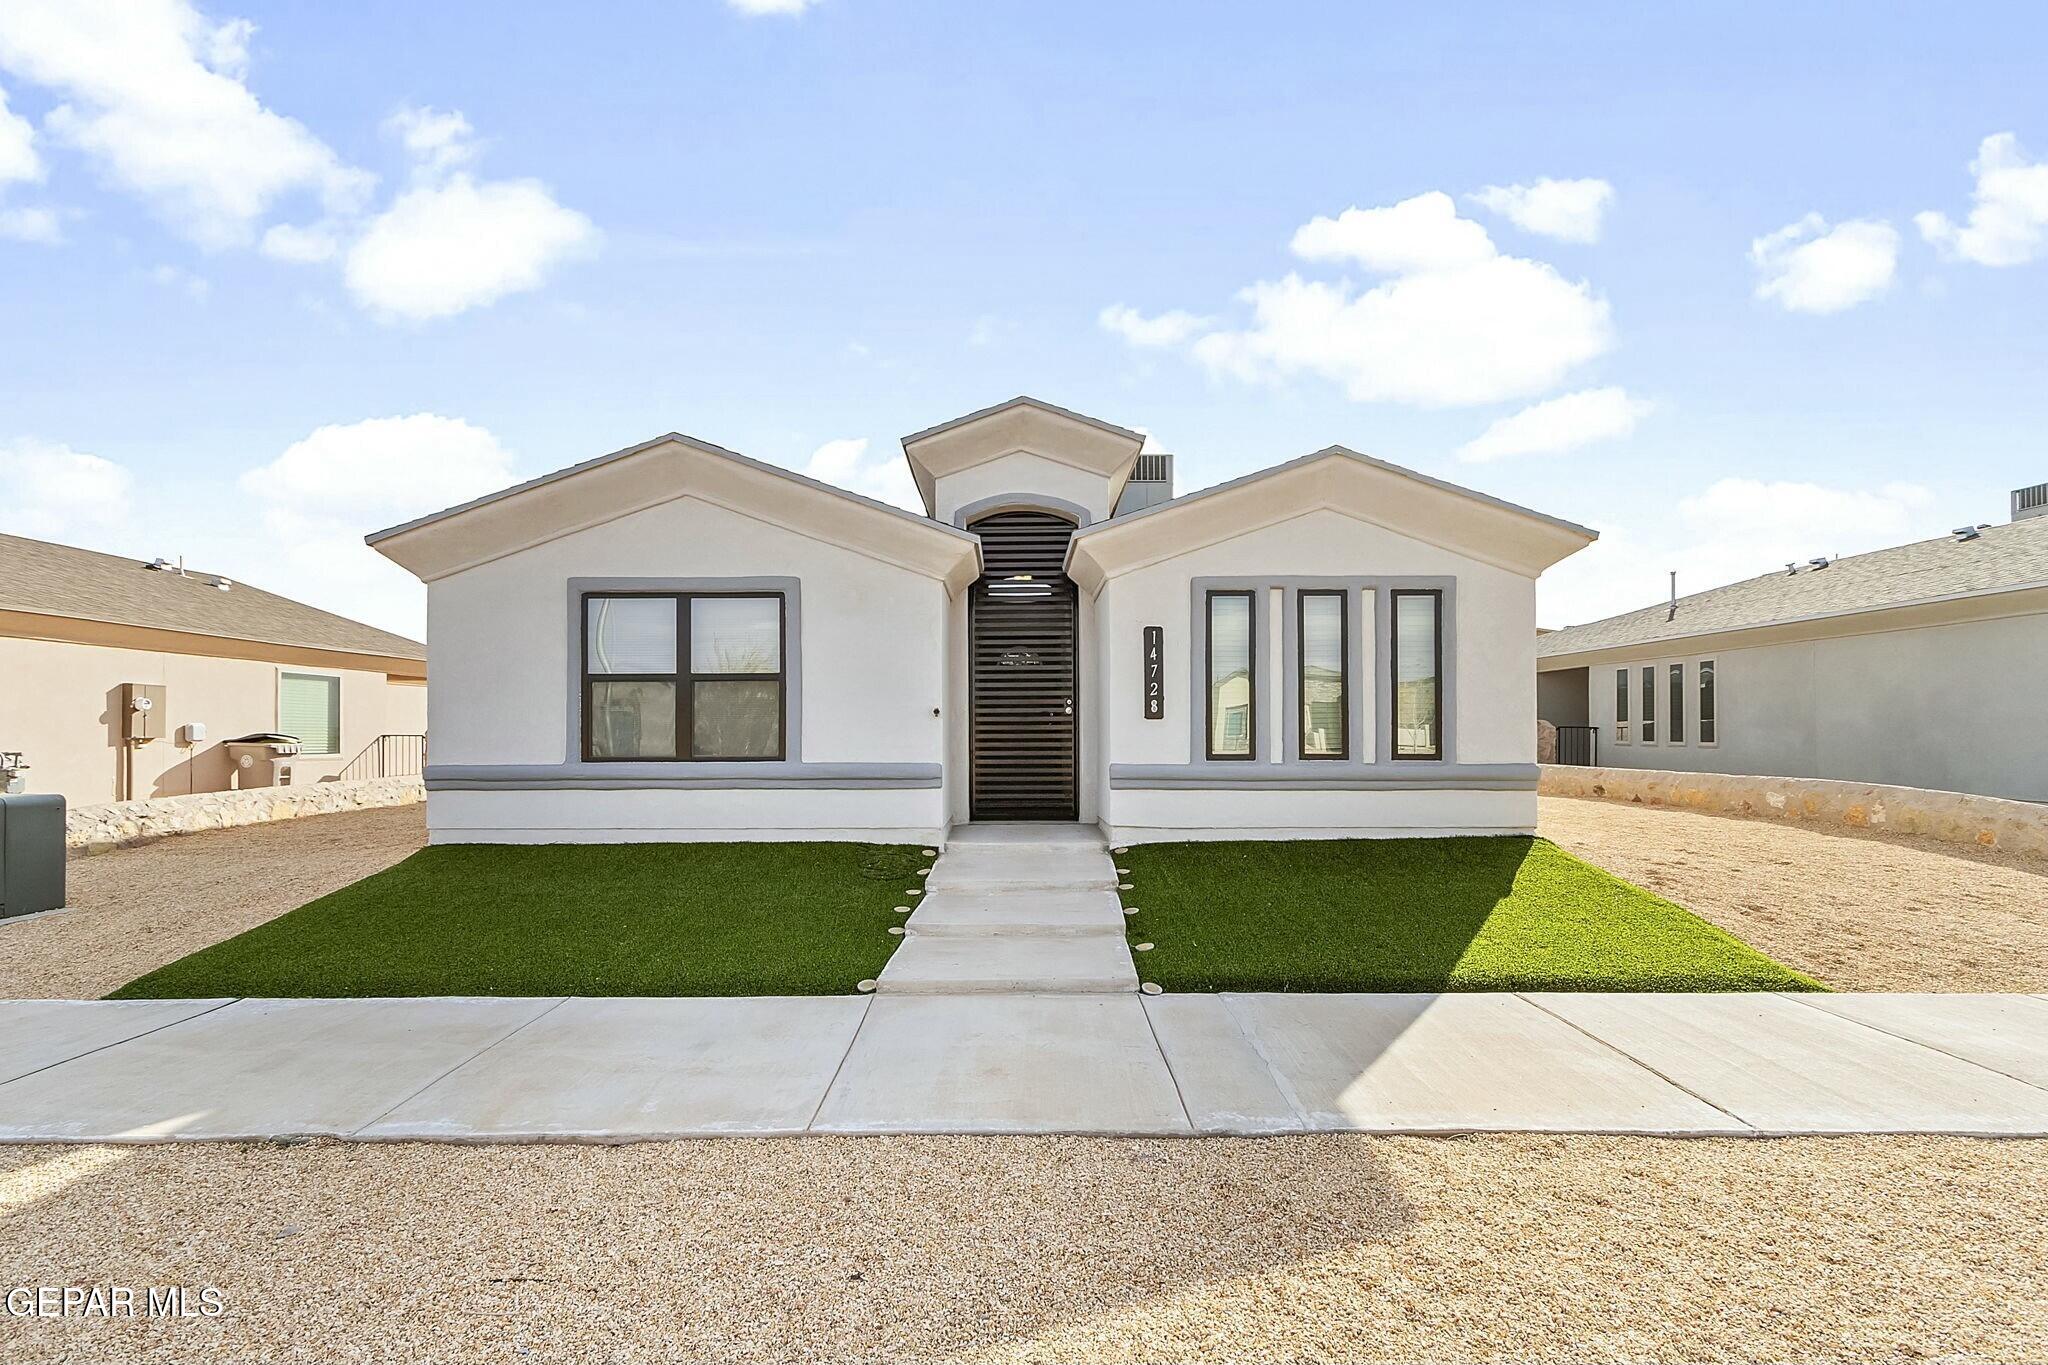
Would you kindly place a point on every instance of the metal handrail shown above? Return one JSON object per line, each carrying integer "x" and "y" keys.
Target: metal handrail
{"x": 387, "y": 756}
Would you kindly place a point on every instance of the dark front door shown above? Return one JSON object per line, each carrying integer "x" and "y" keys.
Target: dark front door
{"x": 1022, "y": 725}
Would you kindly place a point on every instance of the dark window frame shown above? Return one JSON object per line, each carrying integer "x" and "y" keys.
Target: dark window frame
{"x": 1647, "y": 726}
{"x": 1622, "y": 682}
{"x": 1343, "y": 596}
{"x": 684, "y": 680}
{"x": 1251, "y": 597}
{"x": 1436, "y": 753}
{"x": 1707, "y": 679}
{"x": 1674, "y": 718}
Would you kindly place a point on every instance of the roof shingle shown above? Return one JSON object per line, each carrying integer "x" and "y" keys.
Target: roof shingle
{"x": 2001, "y": 558}
{"x": 62, "y": 580}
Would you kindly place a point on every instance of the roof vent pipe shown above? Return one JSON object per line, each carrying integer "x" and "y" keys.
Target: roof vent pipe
{"x": 1672, "y": 615}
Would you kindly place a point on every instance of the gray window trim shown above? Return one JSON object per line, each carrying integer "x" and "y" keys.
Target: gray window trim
{"x": 1322, "y": 771}
{"x": 702, "y": 772}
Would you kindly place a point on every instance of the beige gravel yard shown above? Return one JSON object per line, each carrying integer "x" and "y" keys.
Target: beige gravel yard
{"x": 998, "y": 1249}
{"x": 1861, "y": 912}
{"x": 134, "y": 910}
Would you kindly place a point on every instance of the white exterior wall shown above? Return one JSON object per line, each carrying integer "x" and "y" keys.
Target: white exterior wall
{"x": 1490, "y": 650}
{"x": 1025, "y": 473}
{"x": 871, "y": 682}
{"x": 1950, "y": 708}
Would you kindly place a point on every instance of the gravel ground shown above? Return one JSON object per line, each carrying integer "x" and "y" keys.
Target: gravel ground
{"x": 1860, "y": 912}
{"x": 133, "y": 910}
{"x": 999, "y": 1249}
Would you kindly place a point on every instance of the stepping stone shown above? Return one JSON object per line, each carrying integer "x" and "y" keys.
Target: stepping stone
{"x": 984, "y": 868}
{"x": 985, "y": 963}
{"x": 953, "y": 914}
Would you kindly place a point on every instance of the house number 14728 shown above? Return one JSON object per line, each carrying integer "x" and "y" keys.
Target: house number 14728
{"x": 1155, "y": 673}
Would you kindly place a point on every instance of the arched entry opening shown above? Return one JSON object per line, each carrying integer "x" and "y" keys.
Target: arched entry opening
{"x": 1023, "y": 671}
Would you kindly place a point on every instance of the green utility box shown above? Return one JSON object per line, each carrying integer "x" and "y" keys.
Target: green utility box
{"x": 31, "y": 854}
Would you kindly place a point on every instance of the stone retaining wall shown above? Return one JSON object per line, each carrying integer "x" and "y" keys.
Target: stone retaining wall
{"x": 123, "y": 824}
{"x": 1953, "y": 817}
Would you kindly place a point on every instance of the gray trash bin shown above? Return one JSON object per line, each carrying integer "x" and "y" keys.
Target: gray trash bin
{"x": 31, "y": 854}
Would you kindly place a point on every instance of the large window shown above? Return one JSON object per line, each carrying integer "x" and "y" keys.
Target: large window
{"x": 684, "y": 676}
{"x": 1676, "y": 720}
{"x": 1621, "y": 705}
{"x": 1707, "y": 726}
{"x": 1233, "y": 689}
{"x": 309, "y": 709}
{"x": 1418, "y": 673}
{"x": 1649, "y": 703}
{"x": 1322, "y": 631}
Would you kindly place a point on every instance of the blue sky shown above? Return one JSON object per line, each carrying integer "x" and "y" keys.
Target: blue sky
{"x": 272, "y": 275}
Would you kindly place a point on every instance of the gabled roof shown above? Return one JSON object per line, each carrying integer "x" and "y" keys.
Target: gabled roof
{"x": 658, "y": 471}
{"x": 1471, "y": 523}
{"x": 1999, "y": 559}
{"x": 1022, "y": 424}
{"x": 44, "y": 579}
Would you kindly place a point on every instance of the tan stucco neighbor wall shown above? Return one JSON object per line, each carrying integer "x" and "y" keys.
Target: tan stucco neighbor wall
{"x": 60, "y": 706}
{"x": 1952, "y": 817}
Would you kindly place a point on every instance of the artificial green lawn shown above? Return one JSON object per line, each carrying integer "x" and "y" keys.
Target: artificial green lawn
{"x": 568, "y": 919}
{"x": 1464, "y": 914}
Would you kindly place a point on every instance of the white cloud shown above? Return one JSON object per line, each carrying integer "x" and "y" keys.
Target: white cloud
{"x": 1733, "y": 530}
{"x": 1170, "y": 328}
{"x": 52, "y": 492}
{"x": 18, "y": 159}
{"x": 1457, "y": 323}
{"x": 1808, "y": 267}
{"x": 756, "y": 8}
{"x": 1569, "y": 210}
{"x": 1558, "y": 424}
{"x": 443, "y": 248}
{"x": 324, "y": 493}
{"x": 301, "y": 245}
{"x": 437, "y": 141}
{"x": 845, "y": 464}
{"x": 184, "y": 281}
{"x": 1423, "y": 233}
{"x": 31, "y": 225}
{"x": 153, "y": 93}
{"x": 2008, "y": 222}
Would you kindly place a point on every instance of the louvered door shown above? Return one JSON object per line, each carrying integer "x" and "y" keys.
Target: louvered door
{"x": 1023, "y": 696}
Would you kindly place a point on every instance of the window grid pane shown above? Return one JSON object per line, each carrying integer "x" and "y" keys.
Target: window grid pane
{"x": 736, "y": 719}
{"x": 1230, "y": 675}
{"x": 1707, "y": 718}
{"x": 1676, "y": 720}
{"x": 1322, "y": 675}
{"x": 735, "y": 635}
{"x": 631, "y": 635}
{"x": 1417, "y": 695}
{"x": 634, "y": 719}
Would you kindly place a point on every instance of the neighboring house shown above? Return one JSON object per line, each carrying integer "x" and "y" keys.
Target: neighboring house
{"x": 84, "y": 635}
{"x": 677, "y": 642}
{"x": 1919, "y": 666}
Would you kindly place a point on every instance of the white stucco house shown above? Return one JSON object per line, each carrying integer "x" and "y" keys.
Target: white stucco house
{"x": 676, "y": 642}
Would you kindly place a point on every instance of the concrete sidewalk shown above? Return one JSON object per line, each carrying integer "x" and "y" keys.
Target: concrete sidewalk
{"x": 577, "y": 1069}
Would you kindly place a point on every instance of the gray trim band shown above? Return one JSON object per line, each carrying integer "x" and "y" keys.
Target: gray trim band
{"x": 1325, "y": 776}
{"x": 675, "y": 776}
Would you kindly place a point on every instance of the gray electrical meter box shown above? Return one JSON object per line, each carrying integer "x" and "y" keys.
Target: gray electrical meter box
{"x": 31, "y": 854}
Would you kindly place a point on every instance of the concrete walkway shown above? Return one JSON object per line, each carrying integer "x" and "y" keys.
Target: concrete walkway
{"x": 1083, "y": 1061}
{"x": 1016, "y": 908}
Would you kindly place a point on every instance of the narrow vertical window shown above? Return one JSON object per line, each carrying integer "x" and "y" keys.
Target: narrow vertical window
{"x": 1418, "y": 673}
{"x": 1706, "y": 671}
{"x": 1676, "y": 720}
{"x": 1621, "y": 706}
{"x": 1233, "y": 693}
{"x": 1323, "y": 635}
{"x": 1649, "y": 703}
